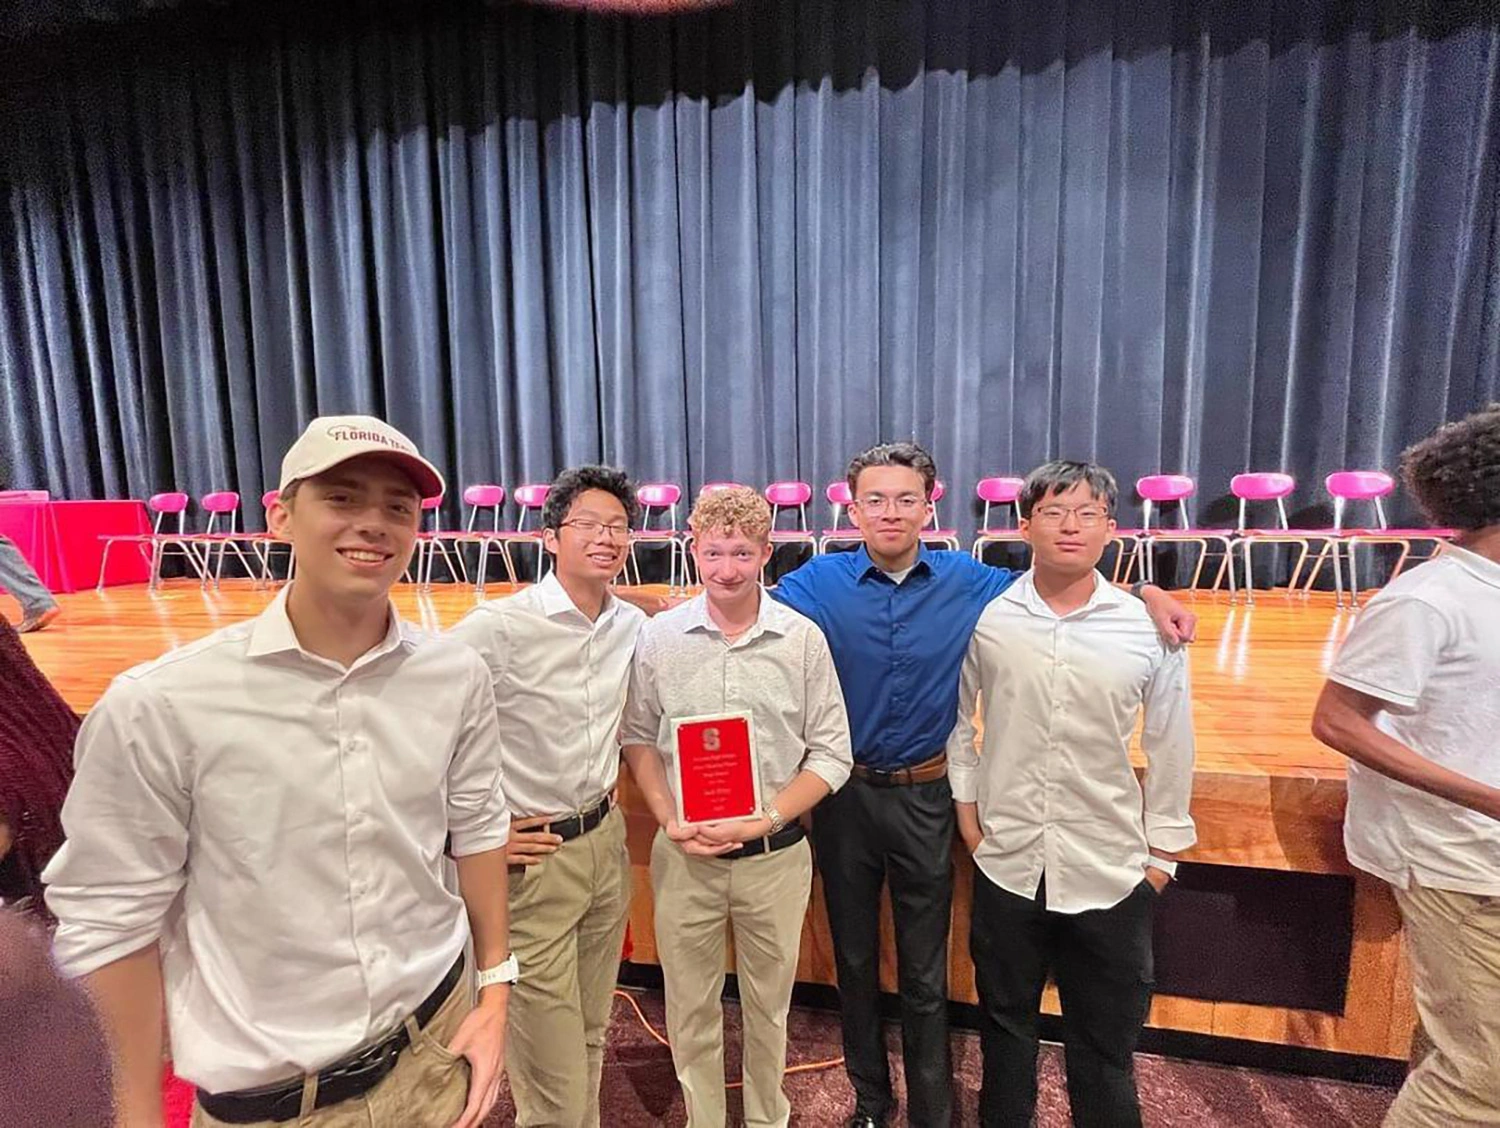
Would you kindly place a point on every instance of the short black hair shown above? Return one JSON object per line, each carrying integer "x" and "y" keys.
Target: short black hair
{"x": 1454, "y": 473}
{"x": 910, "y": 455}
{"x": 570, "y": 483}
{"x": 1061, "y": 476}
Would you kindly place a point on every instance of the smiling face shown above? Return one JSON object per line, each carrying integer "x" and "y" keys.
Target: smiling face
{"x": 591, "y": 543}
{"x": 353, "y": 528}
{"x": 730, "y": 562}
{"x": 1068, "y": 530}
{"x": 890, "y": 509}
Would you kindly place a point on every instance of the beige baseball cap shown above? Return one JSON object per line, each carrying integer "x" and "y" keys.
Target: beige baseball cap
{"x": 332, "y": 439}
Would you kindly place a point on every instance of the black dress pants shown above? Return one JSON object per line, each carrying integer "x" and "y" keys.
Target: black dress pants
{"x": 1101, "y": 960}
{"x": 863, "y": 836}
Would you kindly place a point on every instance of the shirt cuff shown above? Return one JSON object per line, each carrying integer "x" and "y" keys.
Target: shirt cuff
{"x": 79, "y": 950}
{"x": 834, "y": 773}
{"x": 963, "y": 782}
{"x": 1401, "y": 700}
{"x": 469, "y": 842}
{"x": 1170, "y": 834}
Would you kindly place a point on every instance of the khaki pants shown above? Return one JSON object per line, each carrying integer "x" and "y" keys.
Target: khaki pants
{"x": 1453, "y": 940}
{"x": 764, "y": 899}
{"x": 428, "y": 1088}
{"x": 567, "y": 925}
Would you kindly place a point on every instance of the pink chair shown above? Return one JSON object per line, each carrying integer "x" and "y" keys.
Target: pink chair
{"x": 222, "y": 533}
{"x": 1160, "y": 490}
{"x": 435, "y": 542}
{"x": 432, "y": 543}
{"x": 25, "y": 495}
{"x": 485, "y": 501}
{"x": 658, "y": 502}
{"x": 1346, "y": 486}
{"x": 1005, "y": 493}
{"x": 263, "y": 544}
{"x": 156, "y": 544}
{"x": 934, "y": 533}
{"x": 840, "y": 500}
{"x": 791, "y": 497}
{"x": 529, "y": 501}
{"x": 1263, "y": 486}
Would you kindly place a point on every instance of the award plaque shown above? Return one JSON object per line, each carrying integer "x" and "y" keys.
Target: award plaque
{"x": 715, "y": 769}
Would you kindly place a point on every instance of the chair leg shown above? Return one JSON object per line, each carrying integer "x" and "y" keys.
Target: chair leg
{"x": 1316, "y": 570}
{"x": 1401, "y": 560}
{"x": 1249, "y": 576}
{"x": 103, "y": 563}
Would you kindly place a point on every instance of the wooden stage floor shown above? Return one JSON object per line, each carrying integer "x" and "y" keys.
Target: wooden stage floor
{"x": 1266, "y": 794}
{"x": 1256, "y": 670}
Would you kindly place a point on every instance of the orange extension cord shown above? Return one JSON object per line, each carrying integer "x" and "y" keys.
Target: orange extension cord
{"x": 808, "y": 1067}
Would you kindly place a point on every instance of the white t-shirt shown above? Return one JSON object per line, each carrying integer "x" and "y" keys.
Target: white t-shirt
{"x": 1429, "y": 646}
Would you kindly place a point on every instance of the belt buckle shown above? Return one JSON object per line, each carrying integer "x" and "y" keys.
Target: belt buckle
{"x": 379, "y": 1058}
{"x": 882, "y": 778}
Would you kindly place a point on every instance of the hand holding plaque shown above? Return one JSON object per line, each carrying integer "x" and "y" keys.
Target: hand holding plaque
{"x": 715, "y": 768}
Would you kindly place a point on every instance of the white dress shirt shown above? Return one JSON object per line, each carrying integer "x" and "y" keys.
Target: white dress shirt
{"x": 278, "y": 822}
{"x": 559, "y": 682}
{"x": 1428, "y": 645}
{"x": 1056, "y": 792}
{"x": 780, "y": 671}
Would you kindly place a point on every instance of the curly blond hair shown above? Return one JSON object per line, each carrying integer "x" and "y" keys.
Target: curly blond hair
{"x": 732, "y": 509}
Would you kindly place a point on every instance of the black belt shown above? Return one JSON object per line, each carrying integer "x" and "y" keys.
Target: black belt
{"x": 581, "y": 823}
{"x": 789, "y": 835}
{"x": 353, "y": 1076}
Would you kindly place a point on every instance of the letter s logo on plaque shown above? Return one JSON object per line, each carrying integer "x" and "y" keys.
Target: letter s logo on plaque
{"x": 715, "y": 769}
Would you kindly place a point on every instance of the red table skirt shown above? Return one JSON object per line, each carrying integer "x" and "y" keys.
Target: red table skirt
{"x": 61, "y": 539}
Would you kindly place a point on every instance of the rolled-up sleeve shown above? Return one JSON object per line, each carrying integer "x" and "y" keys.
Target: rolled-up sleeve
{"x": 963, "y": 756}
{"x": 825, "y": 723}
{"x": 126, "y": 820}
{"x": 1167, "y": 741}
{"x": 478, "y": 815}
{"x": 641, "y": 723}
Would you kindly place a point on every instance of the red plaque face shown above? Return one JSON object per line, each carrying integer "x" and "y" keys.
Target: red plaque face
{"x": 715, "y": 769}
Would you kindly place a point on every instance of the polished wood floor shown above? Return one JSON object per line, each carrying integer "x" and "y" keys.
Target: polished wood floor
{"x": 1256, "y": 670}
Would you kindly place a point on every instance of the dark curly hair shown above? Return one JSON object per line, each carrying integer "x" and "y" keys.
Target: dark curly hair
{"x": 909, "y": 455}
{"x": 1454, "y": 473}
{"x": 570, "y": 483}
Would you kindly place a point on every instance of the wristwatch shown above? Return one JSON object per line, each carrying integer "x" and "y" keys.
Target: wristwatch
{"x": 774, "y": 817}
{"x": 507, "y": 971}
{"x": 1166, "y": 865}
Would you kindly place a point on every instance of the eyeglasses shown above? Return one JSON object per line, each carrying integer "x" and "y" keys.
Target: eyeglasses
{"x": 1089, "y": 516}
{"x": 591, "y": 528}
{"x": 906, "y": 504}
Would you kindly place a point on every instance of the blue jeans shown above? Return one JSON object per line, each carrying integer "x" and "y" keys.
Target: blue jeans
{"x": 19, "y": 578}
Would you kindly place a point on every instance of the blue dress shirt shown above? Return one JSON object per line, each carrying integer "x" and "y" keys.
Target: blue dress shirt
{"x": 898, "y": 648}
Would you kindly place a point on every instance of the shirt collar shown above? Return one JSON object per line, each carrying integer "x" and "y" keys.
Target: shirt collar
{"x": 866, "y": 568}
{"x": 772, "y": 618}
{"x": 273, "y": 633}
{"x": 1024, "y": 593}
{"x": 556, "y": 601}
{"x": 1481, "y": 567}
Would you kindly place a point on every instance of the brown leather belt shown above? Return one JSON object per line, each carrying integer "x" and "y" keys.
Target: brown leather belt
{"x": 925, "y": 772}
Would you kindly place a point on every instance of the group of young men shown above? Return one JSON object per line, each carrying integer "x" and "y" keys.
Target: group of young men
{"x": 260, "y": 820}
